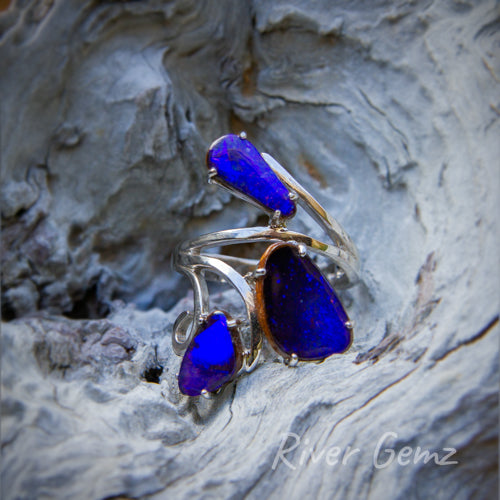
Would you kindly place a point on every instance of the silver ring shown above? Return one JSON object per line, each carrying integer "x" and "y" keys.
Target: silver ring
{"x": 339, "y": 262}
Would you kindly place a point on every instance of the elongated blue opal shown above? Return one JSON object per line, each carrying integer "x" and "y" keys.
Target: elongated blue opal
{"x": 210, "y": 360}
{"x": 240, "y": 166}
{"x": 298, "y": 308}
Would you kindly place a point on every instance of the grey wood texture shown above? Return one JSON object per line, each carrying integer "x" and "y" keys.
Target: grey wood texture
{"x": 388, "y": 112}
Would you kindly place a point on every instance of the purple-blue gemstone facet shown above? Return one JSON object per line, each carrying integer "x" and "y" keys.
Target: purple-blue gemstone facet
{"x": 240, "y": 165}
{"x": 301, "y": 312}
{"x": 210, "y": 360}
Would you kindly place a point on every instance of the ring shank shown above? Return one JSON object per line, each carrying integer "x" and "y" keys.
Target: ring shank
{"x": 185, "y": 255}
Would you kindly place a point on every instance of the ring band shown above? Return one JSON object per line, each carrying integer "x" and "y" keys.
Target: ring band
{"x": 236, "y": 165}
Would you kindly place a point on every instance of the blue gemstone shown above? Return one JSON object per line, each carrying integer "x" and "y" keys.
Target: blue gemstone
{"x": 300, "y": 312}
{"x": 210, "y": 360}
{"x": 240, "y": 165}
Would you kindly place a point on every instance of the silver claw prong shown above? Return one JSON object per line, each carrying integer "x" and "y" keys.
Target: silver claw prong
{"x": 349, "y": 324}
{"x": 206, "y": 394}
{"x": 302, "y": 249}
{"x": 294, "y": 359}
{"x": 232, "y": 323}
{"x": 212, "y": 173}
{"x": 259, "y": 272}
{"x": 293, "y": 196}
{"x": 276, "y": 220}
{"x": 243, "y": 134}
{"x": 202, "y": 318}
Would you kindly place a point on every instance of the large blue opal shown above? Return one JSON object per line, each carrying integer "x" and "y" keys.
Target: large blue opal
{"x": 240, "y": 165}
{"x": 298, "y": 308}
{"x": 210, "y": 360}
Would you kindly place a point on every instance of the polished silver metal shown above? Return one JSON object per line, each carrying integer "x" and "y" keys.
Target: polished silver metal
{"x": 294, "y": 360}
{"x": 194, "y": 259}
{"x": 332, "y": 228}
{"x": 212, "y": 173}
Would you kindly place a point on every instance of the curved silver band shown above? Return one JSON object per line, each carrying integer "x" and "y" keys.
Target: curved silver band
{"x": 192, "y": 258}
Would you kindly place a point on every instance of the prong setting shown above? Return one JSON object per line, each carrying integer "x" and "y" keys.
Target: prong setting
{"x": 202, "y": 318}
{"x": 276, "y": 220}
{"x": 233, "y": 323}
{"x": 243, "y": 135}
{"x": 212, "y": 174}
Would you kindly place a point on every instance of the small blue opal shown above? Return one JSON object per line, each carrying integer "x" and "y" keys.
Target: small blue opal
{"x": 240, "y": 166}
{"x": 210, "y": 360}
{"x": 300, "y": 312}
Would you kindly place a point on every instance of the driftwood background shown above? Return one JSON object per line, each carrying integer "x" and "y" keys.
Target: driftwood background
{"x": 388, "y": 111}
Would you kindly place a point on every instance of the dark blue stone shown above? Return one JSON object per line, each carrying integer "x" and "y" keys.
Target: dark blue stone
{"x": 240, "y": 165}
{"x": 301, "y": 313}
{"x": 210, "y": 360}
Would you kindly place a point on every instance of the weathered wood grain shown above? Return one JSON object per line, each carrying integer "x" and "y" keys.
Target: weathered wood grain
{"x": 388, "y": 113}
